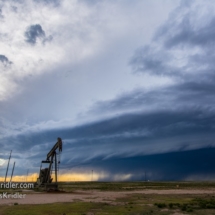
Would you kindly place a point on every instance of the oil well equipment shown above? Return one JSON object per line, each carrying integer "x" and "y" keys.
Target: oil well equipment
{"x": 52, "y": 162}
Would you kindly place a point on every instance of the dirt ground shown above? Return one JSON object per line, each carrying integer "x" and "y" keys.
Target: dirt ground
{"x": 92, "y": 196}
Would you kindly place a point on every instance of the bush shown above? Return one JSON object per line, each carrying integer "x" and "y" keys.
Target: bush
{"x": 160, "y": 205}
{"x": 189, "y": 210}
{"x": 171, "y": 205}
{"x": 184, "y": 207}
{"x": 210, "y": 206}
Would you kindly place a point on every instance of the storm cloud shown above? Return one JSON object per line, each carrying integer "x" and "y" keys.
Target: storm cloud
{"x": 4, "y": 60}
{"x": 33, "y": 33}
{"x": 182, "y": 47}
{"x": 124, "y": 96}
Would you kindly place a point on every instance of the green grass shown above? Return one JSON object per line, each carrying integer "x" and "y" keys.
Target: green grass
{"x": 199, "y": 205}
{"x": 77, "y": 208}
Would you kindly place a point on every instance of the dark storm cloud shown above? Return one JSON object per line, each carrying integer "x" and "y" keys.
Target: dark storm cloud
{"x": 122, "y": 136}
{"x": 182, "y": 165}
{"x": 174, "y": 117}
{"x": 33, "y": 33}
{"x": 4, "y": 60}
{"x": 178, "y": 117}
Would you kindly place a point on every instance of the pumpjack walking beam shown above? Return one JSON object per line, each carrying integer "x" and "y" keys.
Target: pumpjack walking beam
{"x": 53, "y": 150}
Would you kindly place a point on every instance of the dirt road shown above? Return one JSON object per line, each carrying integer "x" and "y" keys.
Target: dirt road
{"x": 91, "y": 196}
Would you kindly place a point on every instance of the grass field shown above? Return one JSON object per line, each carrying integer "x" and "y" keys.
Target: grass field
{"x": 132, "y": 204}
{"x": 123, "y": 186}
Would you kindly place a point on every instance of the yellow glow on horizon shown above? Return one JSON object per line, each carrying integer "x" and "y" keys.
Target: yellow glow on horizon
{"x": 78, "y": 177}
{"x": 22, "y": 178}
{"x": 62, "y": 177}
{"x": 67, "y": 177}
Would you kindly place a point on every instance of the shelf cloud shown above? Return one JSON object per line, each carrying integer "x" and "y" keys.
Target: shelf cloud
{"x": 127, "y": 91}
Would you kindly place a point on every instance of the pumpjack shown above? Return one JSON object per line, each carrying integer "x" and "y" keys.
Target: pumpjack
{"x": 53, "y": 160}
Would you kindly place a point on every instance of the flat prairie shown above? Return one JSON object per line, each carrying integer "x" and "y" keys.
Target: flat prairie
{"x": 98, "y": 198}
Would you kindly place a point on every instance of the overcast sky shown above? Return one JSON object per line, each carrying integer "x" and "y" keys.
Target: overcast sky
{"x": 127, "y": 85}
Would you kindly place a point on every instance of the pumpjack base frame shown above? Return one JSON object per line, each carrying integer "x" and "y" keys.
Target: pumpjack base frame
{"x": 51, "y": 187}
{"x": 47, "y": 187}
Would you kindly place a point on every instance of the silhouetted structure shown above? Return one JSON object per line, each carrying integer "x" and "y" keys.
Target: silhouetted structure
{"x": 7, "y": 166}
{"x": 12, "y": 171}
{"x": 53, "y": 156}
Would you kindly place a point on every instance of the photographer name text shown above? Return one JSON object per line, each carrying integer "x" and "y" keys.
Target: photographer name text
{"x": 6, "y": 195}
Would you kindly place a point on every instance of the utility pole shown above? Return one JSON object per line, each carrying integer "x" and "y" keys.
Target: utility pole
{"x": 12, "y": 171}
{"x": 7, "y": 167}
{"x": 92, "y": 175}
{"x": 27, "y": 176}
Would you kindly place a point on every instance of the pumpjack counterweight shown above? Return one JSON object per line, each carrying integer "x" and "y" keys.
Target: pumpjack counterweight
{"x": 45, "y": 179}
